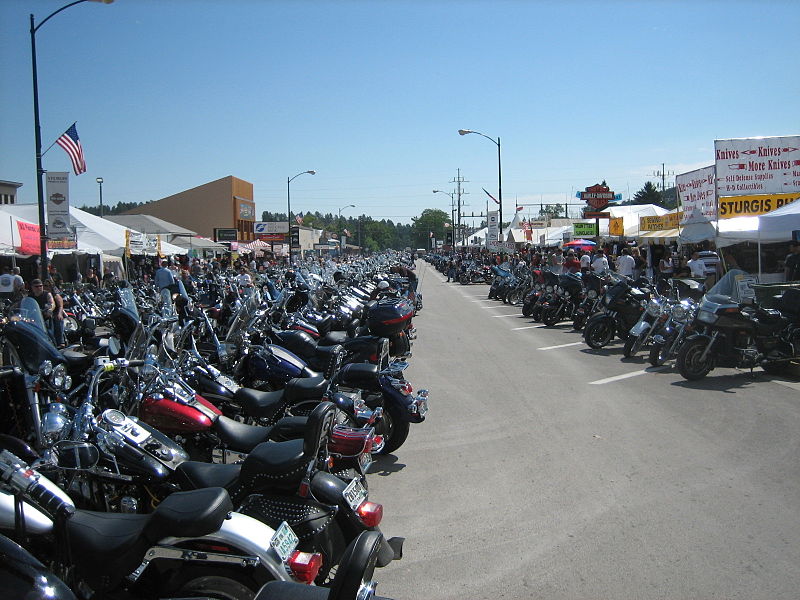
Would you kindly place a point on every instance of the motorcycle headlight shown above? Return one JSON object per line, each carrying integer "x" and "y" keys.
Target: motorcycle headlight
{"x": 592, "y": 294}
{"x": 549, "y": 288}
{"x": 60, "y": 379}
{"x": 46, "y": 368}
{"x": 653, "y": 308}
{"x": 679, "y": 312}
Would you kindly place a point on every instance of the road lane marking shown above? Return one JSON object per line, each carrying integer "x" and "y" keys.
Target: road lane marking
{"x": 529, "y": 327}
{"x": 561, "y": 346}
{"x": 627, "y": 375}
{"x": 497, "y": 306}
{"x": 501, "y": 316}
{"x": 484, "y": 300}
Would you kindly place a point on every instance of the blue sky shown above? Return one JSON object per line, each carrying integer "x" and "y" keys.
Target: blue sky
{"x": 171, "y": 94}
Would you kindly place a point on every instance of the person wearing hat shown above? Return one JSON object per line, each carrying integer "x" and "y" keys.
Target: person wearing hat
{"x": 44, "y": 299}
{"x": 571, "y": 263}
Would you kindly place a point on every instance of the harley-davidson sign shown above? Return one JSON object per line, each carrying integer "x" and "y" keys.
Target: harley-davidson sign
{"x": 597, "y": 196}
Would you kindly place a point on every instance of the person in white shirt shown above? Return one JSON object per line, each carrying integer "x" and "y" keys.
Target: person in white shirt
{"x": 243, "y": 278}
{"x": 600, "y": 262}
{"x": 696, "y": 265}
{"x": 626, "y": 263}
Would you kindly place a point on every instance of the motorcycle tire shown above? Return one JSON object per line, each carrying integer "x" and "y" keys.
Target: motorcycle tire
{"x": 393, "y": 429}
{"x": 629, "y": 349}
{"x": 658, "y": 354}
{"x": 536, "y": 313}
{"x": 527, "y": 309}
{"x": 550, "y": 316}
{"x": 688, "y": 361}
{"x": 463, "y": 279}
{"x": 220, "y": 584}
{"x": 599, "y": 334}
{"x": 514, "y": 297}
{"x": 578, "y": 322}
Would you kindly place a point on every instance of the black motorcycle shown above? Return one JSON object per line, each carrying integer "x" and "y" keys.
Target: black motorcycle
{"x": 622, "y": 307}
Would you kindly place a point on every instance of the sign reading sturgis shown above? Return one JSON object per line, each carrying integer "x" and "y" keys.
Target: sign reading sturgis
{"x": 753, "y": 206}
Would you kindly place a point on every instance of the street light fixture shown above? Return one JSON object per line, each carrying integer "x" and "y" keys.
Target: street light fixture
{"x": 38, "y": 133}
{"x": 341, "y": 209}
{"x": 289, "y": 205}
{"x": 99, "y": 181}
{"x": 499, "y": 173}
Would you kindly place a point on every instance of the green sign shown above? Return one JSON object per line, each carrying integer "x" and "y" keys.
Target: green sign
{"x": 584, "y": 229}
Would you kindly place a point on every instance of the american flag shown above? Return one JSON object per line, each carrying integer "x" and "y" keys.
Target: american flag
{"x": 71, "y": 144}
{"x": 347, "y": 233}
{"x": 299, "y": 219}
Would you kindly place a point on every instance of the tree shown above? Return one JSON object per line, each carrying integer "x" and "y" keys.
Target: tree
{"x": 431, "y": 220}
{"x": 551, "y": 211}
{"x": 647, "y": 195}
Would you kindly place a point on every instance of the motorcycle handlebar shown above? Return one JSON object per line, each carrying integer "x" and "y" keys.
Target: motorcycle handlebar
{"x": 23, "y": 479}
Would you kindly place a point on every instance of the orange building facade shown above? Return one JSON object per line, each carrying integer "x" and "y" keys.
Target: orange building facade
{"x": 224, "y": 203}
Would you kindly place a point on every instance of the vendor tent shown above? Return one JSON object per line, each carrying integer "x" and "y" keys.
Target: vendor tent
{"x": 95, "y": 235}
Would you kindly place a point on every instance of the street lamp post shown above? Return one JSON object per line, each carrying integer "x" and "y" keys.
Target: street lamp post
{"x": 289, "y": 205}
{"x": 99, "y": 181}
{"x": 38, "y": 133}
{"x": 341, "y": 209}
{"x": 499, "y": 173}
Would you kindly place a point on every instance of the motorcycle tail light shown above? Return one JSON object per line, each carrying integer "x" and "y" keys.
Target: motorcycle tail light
{"x": 305, "y": 566}
{"x": 349, "y": 441}
{"x": 370, "y": 513}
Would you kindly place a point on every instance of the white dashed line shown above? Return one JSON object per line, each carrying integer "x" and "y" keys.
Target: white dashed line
{"x": 561, "y": 346}
{"x": 626, "y": 375}
{"x": 529, "y": 327}
{"x": 501, "y": 316}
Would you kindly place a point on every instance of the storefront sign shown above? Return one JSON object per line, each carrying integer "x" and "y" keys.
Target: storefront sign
{"x": 749, "y": 166}
{"x": 696, "y": 195}
{"x": 584, "y": 229}
{"x": 597, "y": 196}
{"x": 262, "y": 227}
{"x": 752, "y": 206}
{"x": 660, "y": 223}
{"x": 222, "y": 234}
{"x": 503, "y": 247}
{"x": 616, "y": 226}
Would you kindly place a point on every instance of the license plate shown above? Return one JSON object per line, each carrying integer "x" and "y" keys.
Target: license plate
{"x": 284, "y": 541}
{"x": 640, "y": 328}
{"x": 364, "y": 461}
{"x": 354, "y": 494}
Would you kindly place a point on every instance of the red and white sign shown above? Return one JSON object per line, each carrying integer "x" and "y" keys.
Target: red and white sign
{"x": 696, "y": 195}
{"x": 597, "y": 196}
{"x": 29, "y": 240}
{"x": 749, "y": 166}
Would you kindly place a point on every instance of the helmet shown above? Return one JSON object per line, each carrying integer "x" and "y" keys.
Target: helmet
{"x": 383, "y": 285}
{"x": 522, "y": 263}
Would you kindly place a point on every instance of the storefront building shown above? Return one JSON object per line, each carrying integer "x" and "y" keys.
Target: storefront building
{"x": 224, "y": 203}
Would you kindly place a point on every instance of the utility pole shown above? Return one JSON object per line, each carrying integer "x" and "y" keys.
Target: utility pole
{"x": 663, "y": 173}
{"x": 458, "y": 181}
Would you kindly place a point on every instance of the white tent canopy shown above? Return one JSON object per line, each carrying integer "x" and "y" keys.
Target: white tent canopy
{"x": 95, "y": 235}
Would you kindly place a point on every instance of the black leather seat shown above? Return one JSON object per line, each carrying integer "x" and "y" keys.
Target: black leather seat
{"x": 108, "y": 546}
{"x": 305, "y": 388}
{"x": 359, "y": 375}
{"x": 77, "y": 361}
{"x": 195, "y": 475}
{"x": 259, "y": 404}
{"x": 240, "y": 437}
{"x": 332, "y": 338}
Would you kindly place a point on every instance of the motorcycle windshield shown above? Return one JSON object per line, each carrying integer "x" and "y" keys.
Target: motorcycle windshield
{"x": 243, "y": 316}
{"x": 728, "y": 284}
{"x": 127, "y": 301}
{"x": 29, "y": 312}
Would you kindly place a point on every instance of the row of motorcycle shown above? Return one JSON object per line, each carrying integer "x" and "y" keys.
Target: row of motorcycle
{"x": 672, "y": 319}
{"x": 211, "y": 443}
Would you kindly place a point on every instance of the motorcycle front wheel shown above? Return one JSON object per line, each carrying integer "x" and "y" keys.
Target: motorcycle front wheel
{"x": 463, "y": 279}
{"x": 527, "y": 309}
{"x": 631, "y": 346}
{"x": 578, "y": 322}
{"x": 514, "y": 297}
{"x": 599, "y": 333}
{"x": 536, "y": 313}
{"x": 690, "y": 363}
{"x": 550, "y": 316}
{"x": 659, "y": 353}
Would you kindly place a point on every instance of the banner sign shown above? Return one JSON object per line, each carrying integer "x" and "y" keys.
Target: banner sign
{"x": 503, "y": 247}
{"x": 749, "y": 166}
{"x": 140, "y": 243}
{"x": 272, "y": 237}
{"x": 661, "y": 223}
{"x": 584, "y": 229}
{"x": 28, "y": 238}
{"x": 598, "y": 196}
{"x": 493, "y": 232}
{"x": 752, "y": 206}
{"x": 536, "y": 224}
{"x": 59, "y": 226}
{"x": 222, "y": 234}
{"x": 696, "y": 195}
{"x": 263, "y": 227}
{"x": 616, "y": 226}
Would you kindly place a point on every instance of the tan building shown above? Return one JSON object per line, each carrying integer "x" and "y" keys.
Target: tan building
{"x": 224, "y": 203}
{"x": 8, "y": 192}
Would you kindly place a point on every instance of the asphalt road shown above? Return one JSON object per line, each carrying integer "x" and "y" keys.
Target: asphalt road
{"x": 548, "y": 470}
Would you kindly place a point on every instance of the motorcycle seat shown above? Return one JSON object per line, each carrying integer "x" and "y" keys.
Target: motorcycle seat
{"x": 257, "y": 403}
{"x": 333, "y": 338}
{"x": 358, "y": 375}
{"x": 107, "y": 546}
{"x": 77, "y": 361}
{"x": 197, "y": 475}
{"x": 240, "y": 437}
{"x": 306, "y": 388}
